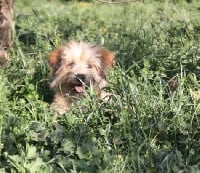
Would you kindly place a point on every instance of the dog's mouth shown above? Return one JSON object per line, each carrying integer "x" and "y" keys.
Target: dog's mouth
{"x": 79, "y": 83}
{"x": 79, "y": 89}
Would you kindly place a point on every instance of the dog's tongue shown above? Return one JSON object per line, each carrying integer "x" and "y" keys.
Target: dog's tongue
{"x": 79, "y": 89}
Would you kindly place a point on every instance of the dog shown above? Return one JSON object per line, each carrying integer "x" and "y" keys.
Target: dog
{"x": 76, "y": 67}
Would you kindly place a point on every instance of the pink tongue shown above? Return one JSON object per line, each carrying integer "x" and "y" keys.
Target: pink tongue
{"x": 79, "y": 89}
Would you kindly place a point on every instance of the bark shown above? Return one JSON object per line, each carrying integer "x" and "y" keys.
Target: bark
{"x": 6, "y": 17}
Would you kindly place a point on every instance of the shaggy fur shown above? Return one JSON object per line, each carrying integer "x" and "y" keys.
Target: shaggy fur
{"x": 75, "y": 67}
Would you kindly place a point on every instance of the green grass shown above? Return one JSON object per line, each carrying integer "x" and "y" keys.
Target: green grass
{"x": 144, "y": 127}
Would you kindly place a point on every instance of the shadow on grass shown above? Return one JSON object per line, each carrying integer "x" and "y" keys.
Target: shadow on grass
{"x": 42, "y": 82}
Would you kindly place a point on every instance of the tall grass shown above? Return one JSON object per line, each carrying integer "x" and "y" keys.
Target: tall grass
{"x": 144, "y": 126}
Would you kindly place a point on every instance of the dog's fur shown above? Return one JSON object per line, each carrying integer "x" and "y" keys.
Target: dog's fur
{"x": 75, "y": 67}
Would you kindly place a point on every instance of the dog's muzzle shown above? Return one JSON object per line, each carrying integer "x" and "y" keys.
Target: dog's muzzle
{"x": 80, "y": 82}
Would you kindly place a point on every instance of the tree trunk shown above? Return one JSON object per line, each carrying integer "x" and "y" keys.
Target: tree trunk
{"x": 6, "y": 17}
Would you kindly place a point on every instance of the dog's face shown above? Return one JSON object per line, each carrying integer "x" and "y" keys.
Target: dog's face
{"x": 78, "y": 66}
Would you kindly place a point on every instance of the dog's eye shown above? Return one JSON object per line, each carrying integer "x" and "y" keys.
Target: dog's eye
{"x": 71, "y": 64}
{"x": 89, "y": 66}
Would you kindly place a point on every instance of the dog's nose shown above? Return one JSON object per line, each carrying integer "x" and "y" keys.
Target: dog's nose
{"x": 80, "y": 77}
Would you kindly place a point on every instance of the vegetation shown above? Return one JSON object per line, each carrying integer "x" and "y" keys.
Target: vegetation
{"x": 146, "y": 126}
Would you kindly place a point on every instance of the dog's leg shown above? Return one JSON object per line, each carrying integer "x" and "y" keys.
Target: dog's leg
{"x": 60, "y": 105}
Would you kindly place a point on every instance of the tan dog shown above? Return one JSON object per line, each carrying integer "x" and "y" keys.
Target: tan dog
{"x": 76, "y": 67}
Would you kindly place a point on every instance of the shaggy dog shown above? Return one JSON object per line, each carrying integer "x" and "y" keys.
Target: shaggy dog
{"x": 76, "y": 67}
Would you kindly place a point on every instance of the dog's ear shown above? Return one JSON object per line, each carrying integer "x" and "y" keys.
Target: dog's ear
{"x": 107, "y": 58}
{"x": 54, "y": 60}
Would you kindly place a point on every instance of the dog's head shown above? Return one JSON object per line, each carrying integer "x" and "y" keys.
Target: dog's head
{"x": 79, "y": 65}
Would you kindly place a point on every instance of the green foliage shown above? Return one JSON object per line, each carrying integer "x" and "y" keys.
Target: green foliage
{"x": 143, "y": 127}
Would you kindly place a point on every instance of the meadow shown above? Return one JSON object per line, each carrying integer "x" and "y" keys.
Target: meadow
{"x": 147, "y": 125}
